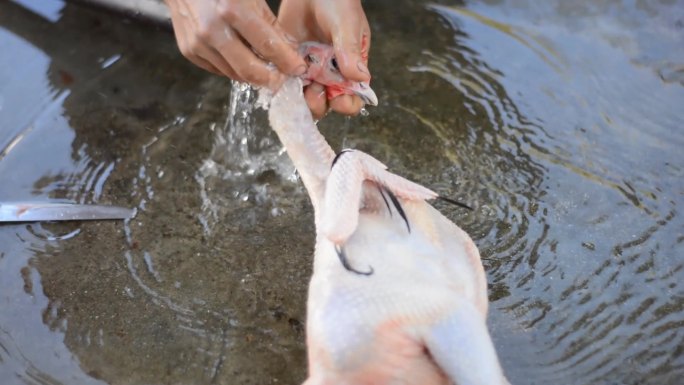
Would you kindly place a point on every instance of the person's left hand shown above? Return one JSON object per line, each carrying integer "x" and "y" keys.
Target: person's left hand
{"x": 341, "y": 23}
{"x": 237, "y": 39}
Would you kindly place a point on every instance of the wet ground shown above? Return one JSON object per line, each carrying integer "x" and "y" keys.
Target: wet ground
{"x": 563, "y": 122}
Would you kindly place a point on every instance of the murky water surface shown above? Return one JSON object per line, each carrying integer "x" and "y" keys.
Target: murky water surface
{"x": 561, "y": 121}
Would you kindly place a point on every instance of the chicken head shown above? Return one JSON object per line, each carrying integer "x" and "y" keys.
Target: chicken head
{"x": 323, "y": 69}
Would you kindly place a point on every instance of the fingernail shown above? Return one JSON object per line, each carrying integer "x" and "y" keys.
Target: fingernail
{"x": 362, "y": 67}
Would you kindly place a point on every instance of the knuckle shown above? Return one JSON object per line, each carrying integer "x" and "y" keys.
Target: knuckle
{"x": 251, "y": 75}
{"x": 190, "y": 44}
{"x": 268, "y": 48}
{"x": 204, "y": 32}
{"x": 185, "y": 50}
{"x": 229, "y": 12}
{"x": 269, "y": 17}
{"x": 256, "y": 78}
{"x": 194, "y": 45}
{"x": 278, "y": 52}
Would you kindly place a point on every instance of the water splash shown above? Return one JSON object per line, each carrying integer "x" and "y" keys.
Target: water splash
{"x": 250, "y": 144}
{"x": 244, "y": 161}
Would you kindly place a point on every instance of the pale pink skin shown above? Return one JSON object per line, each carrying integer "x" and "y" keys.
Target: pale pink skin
{"x": 420, "y": 318}
{"x": 320, "y": 59}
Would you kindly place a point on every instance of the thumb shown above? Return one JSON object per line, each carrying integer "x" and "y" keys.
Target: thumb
{"x": 351, "y": 41}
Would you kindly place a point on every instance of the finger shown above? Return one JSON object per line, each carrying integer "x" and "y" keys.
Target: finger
{"x": 201, "y": 56}
{"x": 197, "y": 32}
{"x": 179, "y": 30}
{"x": 211, "y": 56}
{"x": 350, "y": 34}
{"x": 347, "y": 104}
{"x": 293, "y": 19}
{"x": 207, "y": 66}
{"x": 246, "y": 64}
{"x": 262, "y": 32}
{"x": 186, "y": 43}
{"x": 314, "y": 95}
{"x": 214, "y": 58}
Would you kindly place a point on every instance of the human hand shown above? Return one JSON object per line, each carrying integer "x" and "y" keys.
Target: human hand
{"x": 235, "y": 38}
{"x": 341, "y": 23}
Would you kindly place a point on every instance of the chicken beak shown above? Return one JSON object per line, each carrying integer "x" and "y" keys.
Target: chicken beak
{"x": 363, "y": 90}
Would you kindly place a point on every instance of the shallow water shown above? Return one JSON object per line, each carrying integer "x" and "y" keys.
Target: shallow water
{"x": 561, "y": 122}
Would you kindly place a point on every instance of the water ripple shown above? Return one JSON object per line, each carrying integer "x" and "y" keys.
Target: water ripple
{"x": 579, "y": 246}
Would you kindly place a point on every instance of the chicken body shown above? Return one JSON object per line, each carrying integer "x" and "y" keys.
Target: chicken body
{"x": 398, "y": 293}
{"x": 421, "y": 311}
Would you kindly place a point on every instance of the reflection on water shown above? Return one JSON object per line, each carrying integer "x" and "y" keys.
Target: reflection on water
{"x": 585, "y": 253}
{"x": 560, "y": 121}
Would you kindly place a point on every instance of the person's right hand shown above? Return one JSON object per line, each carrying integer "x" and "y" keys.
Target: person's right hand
{"x": 342, "y": 24}
{"x": 235, "y": 38}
